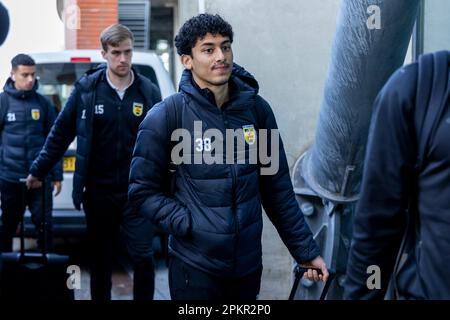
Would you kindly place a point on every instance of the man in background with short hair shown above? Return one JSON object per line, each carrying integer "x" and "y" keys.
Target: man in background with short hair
{"x": 26, "y": 119}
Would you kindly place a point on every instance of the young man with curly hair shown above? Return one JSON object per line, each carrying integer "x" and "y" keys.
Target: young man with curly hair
{"x": 213, "y": 213}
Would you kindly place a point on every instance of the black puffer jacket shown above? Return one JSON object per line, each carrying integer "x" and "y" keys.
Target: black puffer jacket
{"x": 27, "y": 120}
{"x": 76, "y": 120}
{"x": 215, "y": 220}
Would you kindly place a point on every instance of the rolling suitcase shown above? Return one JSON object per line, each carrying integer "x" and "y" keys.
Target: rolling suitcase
{"x": 299, "y": 271}
{"x": 27, "y": 276}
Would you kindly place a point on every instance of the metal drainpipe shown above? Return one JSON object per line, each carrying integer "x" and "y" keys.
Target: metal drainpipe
{"x": 361, "y": 62}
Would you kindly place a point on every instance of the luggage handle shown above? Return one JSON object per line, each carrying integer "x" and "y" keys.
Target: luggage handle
{"x": 299, "y": 271}
{"x": 42, "y": 228}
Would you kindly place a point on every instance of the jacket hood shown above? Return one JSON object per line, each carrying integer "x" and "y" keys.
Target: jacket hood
{"x": 244, "y": 81}
{"x": 19, "y": 94}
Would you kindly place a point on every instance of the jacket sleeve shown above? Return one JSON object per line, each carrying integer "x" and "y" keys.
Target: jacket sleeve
{"x": 278, "y": 200}
{"x": 380, "y": 217}
{"x": 56, "y": 173}
{"x": 149, "y": 174}
{"x": 61, "y": 135}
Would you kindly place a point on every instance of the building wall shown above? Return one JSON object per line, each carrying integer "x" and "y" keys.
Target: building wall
{"x": 286, "y": 45}
{"x": 94, "y": 16}
{"x": 185, "y": 10}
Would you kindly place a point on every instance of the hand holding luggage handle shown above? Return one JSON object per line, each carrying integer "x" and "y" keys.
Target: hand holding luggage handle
{"x": 42, "y": 228}
{"x": 299, "y": 271}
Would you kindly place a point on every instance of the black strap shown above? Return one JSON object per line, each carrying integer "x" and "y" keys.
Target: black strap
{"x": 430, "y": 99}
{"x": 430, "y": 105}
{"x": 174, "y": 104}
{"x": 173, "y": 116}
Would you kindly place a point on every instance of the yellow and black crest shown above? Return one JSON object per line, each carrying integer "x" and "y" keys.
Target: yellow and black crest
{"x": 35, "y": 114}
{"x": 138, "y": 109}
{"x": 249, "y": 134}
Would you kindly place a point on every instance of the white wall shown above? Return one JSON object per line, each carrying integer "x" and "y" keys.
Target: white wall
{"x": 34, "y": 26}
{"x": 286, "y": 45}
{"x": 185, "y": 10}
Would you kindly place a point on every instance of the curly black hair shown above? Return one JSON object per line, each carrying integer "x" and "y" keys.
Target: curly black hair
{"x": 197, "y": 27}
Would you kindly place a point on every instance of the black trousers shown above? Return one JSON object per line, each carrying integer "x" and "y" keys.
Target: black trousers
{"x": 189, "y": 283}
{"x": 15, "y": 197}
{"x": 104, "y": 216}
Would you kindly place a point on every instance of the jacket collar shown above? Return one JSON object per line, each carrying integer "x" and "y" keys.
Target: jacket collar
{"x": 243, "y": 87}
{"x": 10, "y": 88}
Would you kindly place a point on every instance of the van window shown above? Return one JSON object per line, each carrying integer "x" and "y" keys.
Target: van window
{"x": 56, "y": 79}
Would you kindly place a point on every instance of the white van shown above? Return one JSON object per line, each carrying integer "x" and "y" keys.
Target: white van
{"x": 57, "y": 73}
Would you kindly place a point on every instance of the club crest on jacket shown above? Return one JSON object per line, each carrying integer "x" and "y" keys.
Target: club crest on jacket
{"x": 249, "y": 134}
{"x": 138, "y": 108}
{"x": 35, "y": 114}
